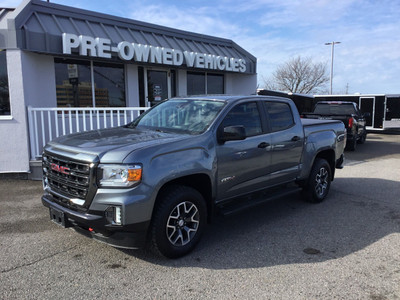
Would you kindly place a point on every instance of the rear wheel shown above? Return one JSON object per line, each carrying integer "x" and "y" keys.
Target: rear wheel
{"x": 319, "y": 182}
{"x": 362, "y": 139}
{"x": 352, "y": 144}
{"x": 178, "y": 221}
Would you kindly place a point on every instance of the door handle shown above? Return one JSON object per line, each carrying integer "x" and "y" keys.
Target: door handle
{"x": 263, "y": 145}
{"x": 295, "y": 138}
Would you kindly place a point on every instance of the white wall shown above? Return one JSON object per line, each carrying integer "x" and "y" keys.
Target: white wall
{"x": 132, "y": 86}
{"x": 181, "y": 79}
{"x": 31, "y": 80}
{"x": 240, "y": 84}
{"x": 39, "y": 80}
{"x": 14, "y": 150}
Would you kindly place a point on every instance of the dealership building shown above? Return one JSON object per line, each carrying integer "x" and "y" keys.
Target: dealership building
{"x": 65, "y": 70}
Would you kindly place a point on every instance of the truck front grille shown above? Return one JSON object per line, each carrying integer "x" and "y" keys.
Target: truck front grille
{"x": 66, "y": 178}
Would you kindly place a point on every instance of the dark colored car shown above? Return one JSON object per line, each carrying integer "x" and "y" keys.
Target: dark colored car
{"x": 347, "y": 112}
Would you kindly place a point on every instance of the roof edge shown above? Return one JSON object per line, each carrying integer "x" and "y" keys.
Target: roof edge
{"x": 102, "y": 16}
{"x": 352, "y": 95}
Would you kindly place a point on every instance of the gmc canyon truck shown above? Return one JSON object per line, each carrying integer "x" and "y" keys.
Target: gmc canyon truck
{"x": 347, "y": 112}
{"x": 158, "y": 180}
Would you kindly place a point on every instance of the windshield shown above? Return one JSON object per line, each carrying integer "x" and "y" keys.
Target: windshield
{"x": 180, "y": 115}
{"x": 334, "y": 109}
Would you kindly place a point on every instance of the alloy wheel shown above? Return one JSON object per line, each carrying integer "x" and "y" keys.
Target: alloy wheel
{"x": 321, "y": 182}
{"x": 182, "y": 223}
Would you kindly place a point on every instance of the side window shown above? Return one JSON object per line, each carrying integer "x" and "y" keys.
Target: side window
{"x": 357, "y": 111}
{"x": 280, "y": 116}
{"x": 4, "y": 93}
{"x": 246, "y": 114}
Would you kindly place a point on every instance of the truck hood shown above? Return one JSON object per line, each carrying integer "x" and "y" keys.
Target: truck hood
{"x": 114, "y": 144}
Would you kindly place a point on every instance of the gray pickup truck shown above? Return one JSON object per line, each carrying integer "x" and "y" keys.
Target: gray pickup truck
{"x": 161, "y": 178}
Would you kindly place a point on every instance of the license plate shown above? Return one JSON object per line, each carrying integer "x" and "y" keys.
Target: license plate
{"x": 58, "y": 217}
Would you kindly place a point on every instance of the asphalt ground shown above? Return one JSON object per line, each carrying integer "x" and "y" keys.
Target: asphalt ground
{"x": 344, "y": 248}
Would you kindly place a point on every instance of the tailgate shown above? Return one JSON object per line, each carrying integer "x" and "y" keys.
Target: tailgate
{"x": 312, "y": 122}
{"x": 342, "y": 118}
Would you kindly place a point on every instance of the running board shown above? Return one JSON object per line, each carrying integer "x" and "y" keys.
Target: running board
{"x": 240, "y": 204}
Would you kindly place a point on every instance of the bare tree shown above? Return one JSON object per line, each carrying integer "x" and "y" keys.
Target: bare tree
{"x": 299, "y": 75}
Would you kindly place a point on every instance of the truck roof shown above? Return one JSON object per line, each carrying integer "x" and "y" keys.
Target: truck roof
{"x": 231, "y": 98}
{"x": 334, "y": 102}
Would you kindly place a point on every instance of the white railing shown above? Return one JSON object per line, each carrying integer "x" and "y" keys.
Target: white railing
{"x": 47, "y": 123}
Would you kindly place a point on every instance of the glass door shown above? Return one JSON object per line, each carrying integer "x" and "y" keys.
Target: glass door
{"x": 158, "y": 86}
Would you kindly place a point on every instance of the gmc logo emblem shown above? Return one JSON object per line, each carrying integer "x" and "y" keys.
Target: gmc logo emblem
{"x": 60, "y": 169}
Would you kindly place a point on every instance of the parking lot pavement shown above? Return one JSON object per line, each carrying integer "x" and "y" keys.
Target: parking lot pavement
{"x": 344, "y": 248}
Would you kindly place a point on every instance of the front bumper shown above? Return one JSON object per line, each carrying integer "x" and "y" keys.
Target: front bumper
{"x": 94, "y": 224}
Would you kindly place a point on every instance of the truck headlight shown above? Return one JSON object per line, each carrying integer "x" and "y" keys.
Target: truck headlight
{"x": 119, "y": 175}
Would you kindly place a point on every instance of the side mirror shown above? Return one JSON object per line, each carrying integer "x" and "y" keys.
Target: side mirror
{"x": 232, "y": 133}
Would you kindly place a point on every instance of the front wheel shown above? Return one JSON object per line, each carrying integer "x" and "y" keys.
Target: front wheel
{"x": 319, "y": 182}
{"x": 178, "y": 221}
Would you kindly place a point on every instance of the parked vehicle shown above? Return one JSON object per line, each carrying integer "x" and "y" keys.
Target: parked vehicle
{"x": 162, "y": 177}
{"x": 347, "y": 112}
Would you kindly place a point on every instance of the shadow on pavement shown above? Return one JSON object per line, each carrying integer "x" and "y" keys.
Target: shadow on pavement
{"x": 357, "y": 213}
{"x": 288, "y": 231}
{"x": 376, "y": 147}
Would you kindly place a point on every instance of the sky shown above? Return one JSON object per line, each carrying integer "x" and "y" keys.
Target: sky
{"x": 366, "y": 61}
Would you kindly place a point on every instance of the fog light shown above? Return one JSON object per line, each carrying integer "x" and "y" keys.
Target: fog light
{"x": 117, "y": 214}
{"x": 113, "y": 215}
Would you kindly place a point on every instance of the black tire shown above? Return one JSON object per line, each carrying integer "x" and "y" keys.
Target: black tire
{"x": 352, "y": 145}
{"x": 362, "y": 139}
{"x": 319, "y": 182}
{"x": 178, "y": 221}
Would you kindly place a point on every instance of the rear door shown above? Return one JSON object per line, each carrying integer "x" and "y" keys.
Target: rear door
{"x": 243, "y": 165}
{"x": 367, "y": 104}
{"x": 287, "y": 138}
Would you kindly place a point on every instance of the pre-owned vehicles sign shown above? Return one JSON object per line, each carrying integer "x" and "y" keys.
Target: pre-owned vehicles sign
{"x": 102, "y": 47}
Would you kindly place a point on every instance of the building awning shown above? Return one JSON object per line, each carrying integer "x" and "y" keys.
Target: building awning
{"x": 39, "y": 26}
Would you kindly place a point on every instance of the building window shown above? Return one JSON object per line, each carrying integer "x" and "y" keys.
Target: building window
{"x": 75, "y": 81}
{"x": 4, "y": 93}
{"x": 110, "y": 80}
{"x": 196, "y": 83}
{"x": 204, "y": 83}
{"x": 215, "y": 84}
